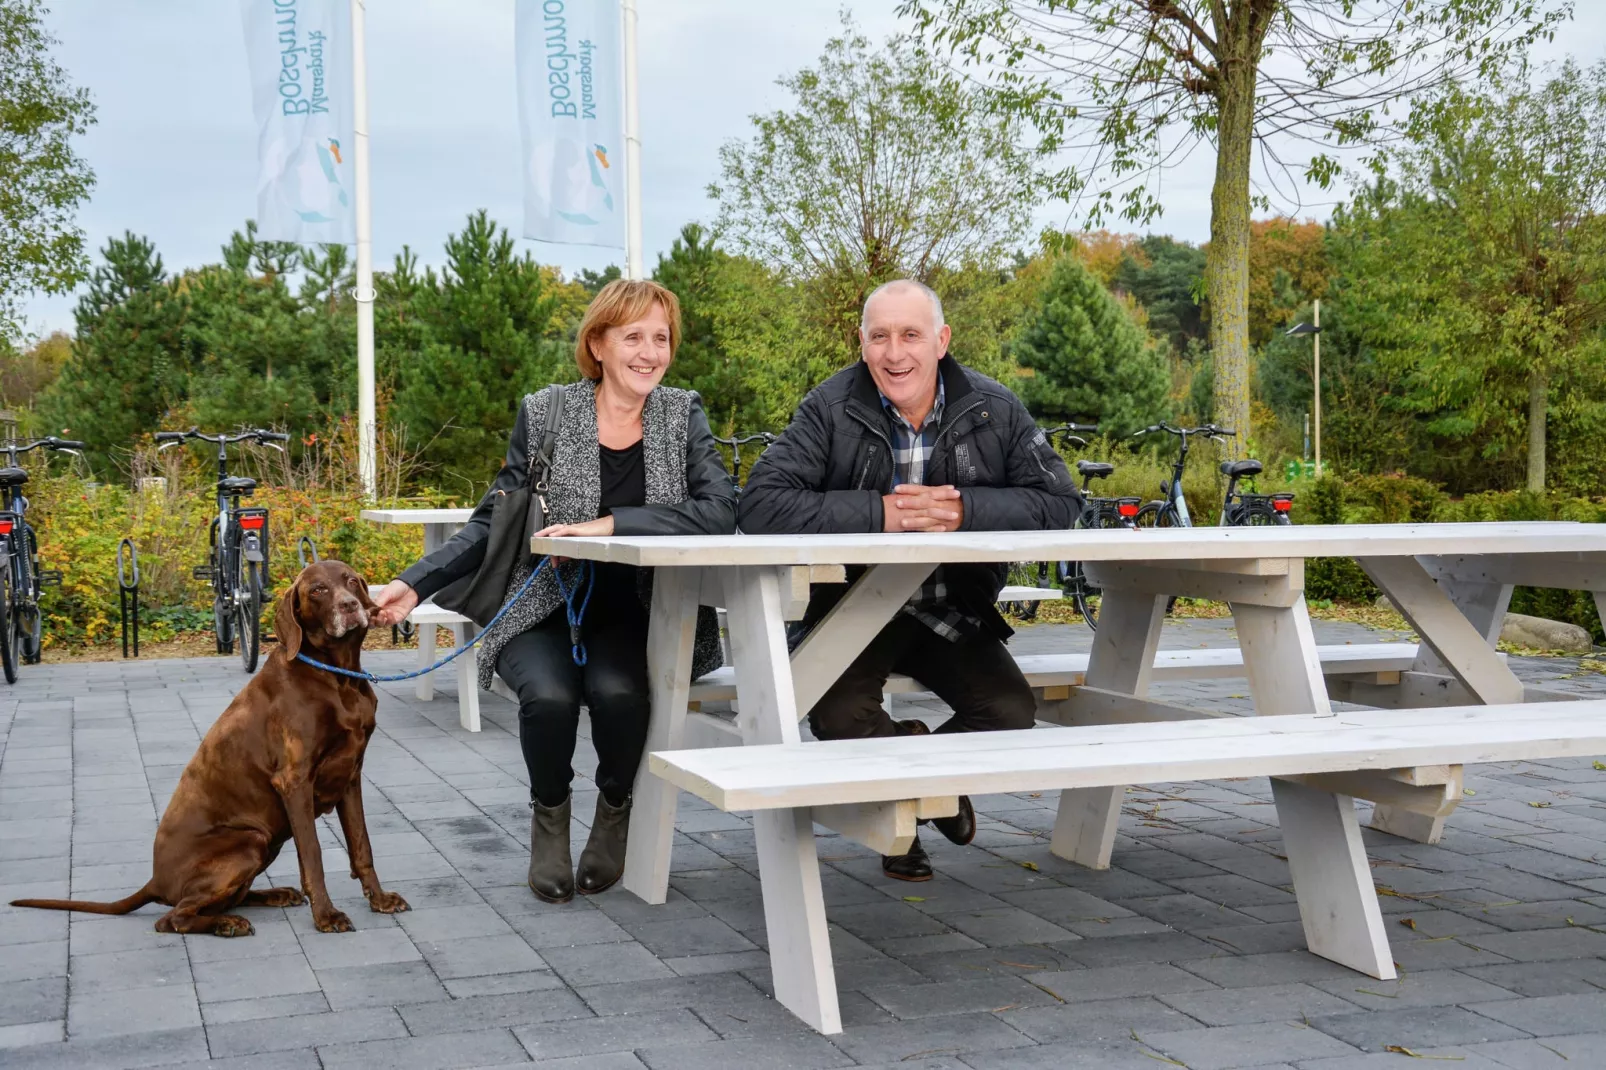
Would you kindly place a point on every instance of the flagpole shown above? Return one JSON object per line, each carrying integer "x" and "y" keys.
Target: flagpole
{"x": 365, "y": 256}
{"x": 634, "y": 268}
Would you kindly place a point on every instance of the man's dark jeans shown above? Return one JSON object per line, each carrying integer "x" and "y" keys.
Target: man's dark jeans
{"x": 976, "y": 676}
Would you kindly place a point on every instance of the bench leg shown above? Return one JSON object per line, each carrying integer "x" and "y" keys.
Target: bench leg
{"x": 1122, "y": 660}
{"x": 670, "y": 633}
{"x": 1332, "y": 880}
{"x": 424, "y": 686}
{"x": 794, "y": 917}
{"x": 468, "y": 682}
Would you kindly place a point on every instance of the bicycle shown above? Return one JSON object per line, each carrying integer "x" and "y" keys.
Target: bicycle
{"x": 736, "y": 443}
{"x": 237, "y": 565}
{"x": 1069, "y": 576}
{"x": 21, "y": 578}
{"x": 1252, "y": 510}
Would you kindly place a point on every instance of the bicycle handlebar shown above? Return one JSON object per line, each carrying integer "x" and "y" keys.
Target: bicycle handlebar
{"x": 1209, "y": 430}
{"x": 760, "y": 436}
{"x": 250, "y": 433}
{"x": 50, "y": 442}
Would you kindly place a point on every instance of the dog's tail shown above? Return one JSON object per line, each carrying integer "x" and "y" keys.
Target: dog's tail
{"x": 122, "y": 906}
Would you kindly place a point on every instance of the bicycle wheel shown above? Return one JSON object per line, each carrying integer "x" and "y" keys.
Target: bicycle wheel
{"x": 1266, "y": 518}
{"x": 1084, "y": 594}
{"x": 248, "y": 613}
{"x": 1156, "y": 515}
{"x": 8, "y": 628}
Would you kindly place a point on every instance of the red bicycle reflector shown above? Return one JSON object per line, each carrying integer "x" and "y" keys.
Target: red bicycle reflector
{"x": 252, "y": 523}
{"x": 1126, "y": 509}
{"x": 1281, "y": 505}
{"x": 5, "y": 527}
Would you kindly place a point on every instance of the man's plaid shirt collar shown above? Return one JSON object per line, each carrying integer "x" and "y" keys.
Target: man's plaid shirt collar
{"x": 911, "y": 452}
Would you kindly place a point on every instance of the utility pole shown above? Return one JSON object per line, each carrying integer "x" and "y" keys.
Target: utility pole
{"x": 1316, "y": 377}
{"x": 364, "y": 294}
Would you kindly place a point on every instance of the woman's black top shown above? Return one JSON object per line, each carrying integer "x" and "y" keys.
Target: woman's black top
{"x": 624, "y": 484}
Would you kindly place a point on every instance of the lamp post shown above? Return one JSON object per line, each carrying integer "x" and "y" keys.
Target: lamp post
{"x": 1314, "y": 329}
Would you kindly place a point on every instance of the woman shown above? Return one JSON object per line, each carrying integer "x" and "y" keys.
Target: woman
{"x": 632, "y": 458}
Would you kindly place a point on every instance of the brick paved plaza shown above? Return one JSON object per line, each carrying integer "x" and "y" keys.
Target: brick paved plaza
{"x": 1186, "y": 953}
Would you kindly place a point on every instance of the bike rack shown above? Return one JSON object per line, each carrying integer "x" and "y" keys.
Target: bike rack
{"x": 307, "y": 549}
{"x": 128, "y": 593}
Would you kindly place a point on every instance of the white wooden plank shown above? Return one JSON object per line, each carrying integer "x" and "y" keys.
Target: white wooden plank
{"x": 1271, "y": 590}
{"x": 1280, "y": 658}
{"x": 424, "y": 686}
{"x": 1016, "y": 593}
{"x": 848, "y": 628}
{"x": 1567, "y": 571}
{"x": 873, "y": 770}
{"x": 1164, "y": 544}
{"x": 789, "y": 868}
{"x": 1453, "y": 638}
{"x": 794, "y": 917}
{"x": 1089, "y": 705}
{"x": 1121, "y": 661}
{"x": 1384, "y": 788}
{"x": 468, "y": 681}
{"x": 671, "y": 630}
{"x": 886, "y": 828}
{"x": 417, "y": 516}
{"x": 1424, "y": 689}
{"x": 1332, "y": 880}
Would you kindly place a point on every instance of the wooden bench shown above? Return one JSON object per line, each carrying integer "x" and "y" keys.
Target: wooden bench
{"x": 874, "y": 790}
{"x": 1052, "y": 675}
{"x": 425, "y": 618}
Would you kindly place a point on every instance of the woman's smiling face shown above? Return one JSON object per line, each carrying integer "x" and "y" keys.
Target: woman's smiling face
{"x": 634, "y": 356}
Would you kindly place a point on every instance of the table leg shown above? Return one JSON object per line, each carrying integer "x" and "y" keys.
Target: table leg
{"x": 671, "y": 631}
{"x": 424, "y": 686}
{"x": 1122, "y": 660}
{"x": 1332, "y": 880}
{"x": 789, "y": 867}
{"x": 468, "y": 682}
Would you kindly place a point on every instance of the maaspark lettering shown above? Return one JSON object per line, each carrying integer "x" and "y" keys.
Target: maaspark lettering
{"x": 298, "y": 95}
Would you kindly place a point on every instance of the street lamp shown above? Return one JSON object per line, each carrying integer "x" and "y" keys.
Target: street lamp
{"x": 1314, "y": 329}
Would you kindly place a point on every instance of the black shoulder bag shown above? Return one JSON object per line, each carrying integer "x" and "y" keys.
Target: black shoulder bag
{"x": 515, "y": 517}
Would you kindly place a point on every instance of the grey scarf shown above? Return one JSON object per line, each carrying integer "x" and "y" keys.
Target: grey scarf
{"x": 574, "y": 496}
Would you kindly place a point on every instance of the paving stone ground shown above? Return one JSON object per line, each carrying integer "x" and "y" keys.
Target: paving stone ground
{"x": 1187, "y": 952}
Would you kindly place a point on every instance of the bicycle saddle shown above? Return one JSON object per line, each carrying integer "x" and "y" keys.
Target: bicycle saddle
{"x": 1093, "y": 469}
{"x": 236, "y": 484}
{"x": 13, "y": 477}
{"x": 1239, "y": 469}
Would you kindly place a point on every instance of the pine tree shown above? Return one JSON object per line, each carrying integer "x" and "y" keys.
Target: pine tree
{"x": 1088, "y": 358}
{"x": 129, "y": 364}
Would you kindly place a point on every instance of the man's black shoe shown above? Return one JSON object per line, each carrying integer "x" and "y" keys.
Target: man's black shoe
{"x": 914, "y": 866}
{"x": 961, "y": 828}
{"x": 912, "y": 727}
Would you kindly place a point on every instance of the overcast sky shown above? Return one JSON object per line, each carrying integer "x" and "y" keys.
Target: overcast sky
{"x": 174, "y": 148}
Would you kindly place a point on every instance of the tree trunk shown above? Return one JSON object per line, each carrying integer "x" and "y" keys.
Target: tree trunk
{"x": 1227, "y": 262}
{"x": 1538, "y": 403}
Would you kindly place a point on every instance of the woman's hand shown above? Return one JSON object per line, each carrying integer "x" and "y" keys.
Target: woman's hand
{"x": 392, "y": 605}
{"x": 603, "y": 525}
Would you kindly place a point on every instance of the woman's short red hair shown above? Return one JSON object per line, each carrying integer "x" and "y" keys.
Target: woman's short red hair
{"x": 623, "y": 301}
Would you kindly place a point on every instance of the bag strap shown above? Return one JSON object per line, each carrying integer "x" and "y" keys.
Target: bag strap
{"x": 542, "y": 461}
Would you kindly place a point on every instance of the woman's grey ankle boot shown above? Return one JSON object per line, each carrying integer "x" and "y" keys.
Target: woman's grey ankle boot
{"x": 602, "y": 863}
{"x": 551, "y": 868}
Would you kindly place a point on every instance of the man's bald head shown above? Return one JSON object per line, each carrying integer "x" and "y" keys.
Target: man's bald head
{"x": 902, "y": 286}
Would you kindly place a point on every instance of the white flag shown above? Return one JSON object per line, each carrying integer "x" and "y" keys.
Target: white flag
{"x": 570, "y": 108}
{"x": 299, "y": 56}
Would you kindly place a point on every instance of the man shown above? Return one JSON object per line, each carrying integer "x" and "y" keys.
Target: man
{"x": 911, "y": 440}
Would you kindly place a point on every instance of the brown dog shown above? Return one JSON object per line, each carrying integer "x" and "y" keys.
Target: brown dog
{"x": 287, "y": 749}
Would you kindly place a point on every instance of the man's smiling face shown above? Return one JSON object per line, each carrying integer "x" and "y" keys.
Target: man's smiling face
{"x": 902, "y": 342}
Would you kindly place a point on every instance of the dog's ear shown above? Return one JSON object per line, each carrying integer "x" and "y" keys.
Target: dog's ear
{"x": 285, "y": 624}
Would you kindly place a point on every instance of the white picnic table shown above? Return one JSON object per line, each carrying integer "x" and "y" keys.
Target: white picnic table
{"x": 1451, "y": 582}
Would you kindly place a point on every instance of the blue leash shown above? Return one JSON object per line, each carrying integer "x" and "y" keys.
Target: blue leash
{"x": 576, "y": 618}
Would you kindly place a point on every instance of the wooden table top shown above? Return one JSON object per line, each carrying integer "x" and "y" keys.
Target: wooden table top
{"x": 1147, "y": 545}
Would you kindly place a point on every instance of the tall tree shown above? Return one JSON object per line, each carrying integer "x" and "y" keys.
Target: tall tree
{"x": 1487, "y": 249}
{"x": 42, "y": 180}
{"x": 129, "y": 364}
{"x": 1133, "y": 84}
{"x": 1085, "y": 357}
{"x": 884, "y": 166}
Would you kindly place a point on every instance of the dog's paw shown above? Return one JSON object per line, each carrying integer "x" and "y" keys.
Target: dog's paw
{"x": 387, "y": 903}
{"x": 277, "y": 897}
{"x": 232, "y": 925}
{"x": 333, "y": 922}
